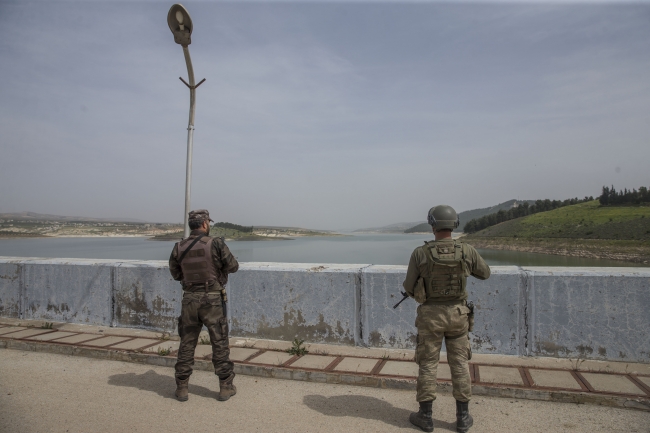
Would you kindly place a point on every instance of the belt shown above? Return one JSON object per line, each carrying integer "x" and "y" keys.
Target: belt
{"x": 202, "y": 287}
{"x": 451, "y": 302}
{"x": 202, "y": 293}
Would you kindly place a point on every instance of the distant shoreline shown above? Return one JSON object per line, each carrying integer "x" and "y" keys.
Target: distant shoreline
{"x": 243, "y": 239}
{"x": 148, "y": 237}
{"x": 69, "y": 236}
{"x": 621, "y": 250}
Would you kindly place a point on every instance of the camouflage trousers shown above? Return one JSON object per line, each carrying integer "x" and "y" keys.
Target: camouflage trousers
{"x": 199, "y": 309}
{"x": 435, "y": 322}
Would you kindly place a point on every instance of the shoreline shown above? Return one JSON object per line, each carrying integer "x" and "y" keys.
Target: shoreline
{"x": 72, "y": 236}
{"x": 154, "y": 238}
{"x": 626, "y": 251}
{"x": 242, "y": 239}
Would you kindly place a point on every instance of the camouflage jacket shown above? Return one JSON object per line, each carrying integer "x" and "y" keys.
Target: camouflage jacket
{"x": 223, "y": 260}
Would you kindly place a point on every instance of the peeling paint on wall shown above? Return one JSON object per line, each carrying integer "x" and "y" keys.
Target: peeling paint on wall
{"x": 67, "y": 291}
{"x": 591, "y": 313}
{"x": 10, "y": 287}
{"x": 146, "y": 296}
{"x": 594, "y": 313}
{"x": 314, "y": 303}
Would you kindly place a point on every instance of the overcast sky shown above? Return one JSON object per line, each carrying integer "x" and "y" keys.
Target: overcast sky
{"x": 323, "y": 115}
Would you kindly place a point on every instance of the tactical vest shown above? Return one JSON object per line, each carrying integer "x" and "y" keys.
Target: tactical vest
{"x": 197, "y": 265}
{"x": 447, "y": 271}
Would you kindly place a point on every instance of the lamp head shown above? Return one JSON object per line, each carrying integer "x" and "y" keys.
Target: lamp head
{"x": 180, "y": 24}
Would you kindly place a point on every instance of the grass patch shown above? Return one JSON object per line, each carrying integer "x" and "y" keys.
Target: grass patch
{"x": 47, "y": 325}
{"x": 204, "y": 340}
{"x": 297, "y": 348}
{"x": 164, "y": 351}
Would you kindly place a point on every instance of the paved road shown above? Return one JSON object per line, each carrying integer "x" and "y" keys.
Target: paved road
{"x": 54, "y": 393}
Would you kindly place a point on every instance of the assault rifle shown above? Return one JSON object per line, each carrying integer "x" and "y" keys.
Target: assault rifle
{"x": 402, "y": 300}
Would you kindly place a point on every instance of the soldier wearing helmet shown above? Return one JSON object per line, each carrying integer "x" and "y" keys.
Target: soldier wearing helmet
{"x": 436, "y": 277}
{"x": 202, "y": 264}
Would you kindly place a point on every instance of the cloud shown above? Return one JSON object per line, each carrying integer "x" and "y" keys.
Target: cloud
{"x": 325, "y": 115}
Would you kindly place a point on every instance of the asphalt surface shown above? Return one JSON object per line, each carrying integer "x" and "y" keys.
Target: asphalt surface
{"x": 42, "y": 392}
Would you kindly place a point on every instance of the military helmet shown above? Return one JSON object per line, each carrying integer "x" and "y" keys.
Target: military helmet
{"x": 443, "y": 217}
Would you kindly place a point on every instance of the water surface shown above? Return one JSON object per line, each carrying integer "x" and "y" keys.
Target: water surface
{"x": 379, "y": 249}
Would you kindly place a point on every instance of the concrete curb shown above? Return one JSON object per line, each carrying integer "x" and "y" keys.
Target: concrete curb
{"x": 332, "y": 377}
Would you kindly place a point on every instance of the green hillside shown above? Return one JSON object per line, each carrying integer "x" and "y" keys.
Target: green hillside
{"x": 469, "y": 215}
{"x": 582, "y": 221}
{"x": 582, "y": 230}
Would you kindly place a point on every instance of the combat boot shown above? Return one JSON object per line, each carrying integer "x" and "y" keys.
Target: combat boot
{"x": 423, "y": 418}
{"x": 181, "y": 389}
{"x": 463, "y": 419}
{"x": 226, "y": 388}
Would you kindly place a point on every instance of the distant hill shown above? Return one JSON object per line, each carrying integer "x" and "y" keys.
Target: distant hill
{"x": 33, "y": 216}
{"x": 238, "y": 232}
{"x": 256, "y": 228}
{"x": 470, "y": 215}
{"x": 420, "y": 228}
{"x": 477, "y": 213}
{"x": 392, "y": 228}
{"x": 581, "y": 221}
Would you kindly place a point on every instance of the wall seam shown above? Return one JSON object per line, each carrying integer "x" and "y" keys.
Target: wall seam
{"x": 360, "y": 313}
{"x": 531, "y": 313}
{"x": 22, "y": 291}
{"x": 114, "y": 271}
{"x": 524, "y": 331}
{"x": 519, "y": 329}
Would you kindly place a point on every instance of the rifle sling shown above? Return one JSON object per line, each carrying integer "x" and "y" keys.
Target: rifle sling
{"x": 180, "y": 259}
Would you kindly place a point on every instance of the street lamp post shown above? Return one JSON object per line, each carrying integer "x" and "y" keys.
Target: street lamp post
{"x": 180, "y": 24}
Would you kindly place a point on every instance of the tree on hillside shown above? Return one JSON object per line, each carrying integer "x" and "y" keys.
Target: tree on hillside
{"x": 232, "y": 226}
{"x": 610, "y": 196}
{"x": 522, "y": 210}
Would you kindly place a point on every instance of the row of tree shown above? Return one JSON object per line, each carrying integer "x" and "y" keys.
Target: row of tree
{"x": 519, "y": 211}
{"x": 612, "y": 197}
{"x": 242, "y": 229}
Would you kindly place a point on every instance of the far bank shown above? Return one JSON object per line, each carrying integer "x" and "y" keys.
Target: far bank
{"x": 587, "y": 229}
{"x": 620, "y": 250}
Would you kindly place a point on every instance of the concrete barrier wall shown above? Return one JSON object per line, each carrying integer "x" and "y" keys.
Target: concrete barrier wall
{"x": 592, "y": 313}
{"x": 283, "y": 301}
{"x": 146, "y": 296}
{"x": 381, "y": 325}
{"x": 595, "y": 313}
{"x": 498, "y": 314}
{"x": 68, "y": 291}
{"x": 10, "y": 289}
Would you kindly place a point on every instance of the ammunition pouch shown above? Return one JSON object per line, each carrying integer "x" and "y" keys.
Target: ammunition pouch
{"x": 419, "y": 292}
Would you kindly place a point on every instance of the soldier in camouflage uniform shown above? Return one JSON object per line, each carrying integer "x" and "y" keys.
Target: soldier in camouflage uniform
{"x": 436, "y": 278}
{"x": 202, "y": 265}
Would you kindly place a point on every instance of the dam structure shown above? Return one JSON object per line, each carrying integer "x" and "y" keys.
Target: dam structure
{"x": 578, "y": 313}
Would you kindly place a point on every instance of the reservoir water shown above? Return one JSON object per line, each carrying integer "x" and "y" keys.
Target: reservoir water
{"x": 378, "y": 249}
